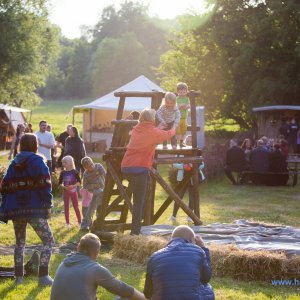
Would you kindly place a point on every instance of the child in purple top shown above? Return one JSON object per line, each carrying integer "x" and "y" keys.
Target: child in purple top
{"x": 69, "y": 179}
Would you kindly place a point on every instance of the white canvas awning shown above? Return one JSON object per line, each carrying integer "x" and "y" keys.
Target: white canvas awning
{"x": 14, "y": 114}
{"x": 110, "y": 102}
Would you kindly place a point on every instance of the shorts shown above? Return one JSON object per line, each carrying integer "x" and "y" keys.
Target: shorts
{"x": 182, "y": 127}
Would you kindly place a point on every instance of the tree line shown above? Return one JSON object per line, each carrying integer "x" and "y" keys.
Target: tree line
{"x": 239, "y": 54}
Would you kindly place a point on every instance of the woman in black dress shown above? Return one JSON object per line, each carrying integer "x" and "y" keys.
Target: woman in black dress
{"x": 75, "y": 147}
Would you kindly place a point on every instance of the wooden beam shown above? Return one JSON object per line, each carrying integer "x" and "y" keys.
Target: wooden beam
{"x": 139, "y": 94}
{"x": 175, "y": 197}
{"x": 178, "y": 190}
{"x": 173, "y": 160}
{"x": 121, "y": 107}
{"x": 115, "y": 177}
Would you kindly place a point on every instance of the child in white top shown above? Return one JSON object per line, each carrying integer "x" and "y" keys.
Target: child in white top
{"x": 69, "y": 179}
{"x": 168, "y": 115}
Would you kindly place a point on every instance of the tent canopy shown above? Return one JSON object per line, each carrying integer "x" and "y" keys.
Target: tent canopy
{"x": 14, "y": 115}
{"x": 110, "y": 102}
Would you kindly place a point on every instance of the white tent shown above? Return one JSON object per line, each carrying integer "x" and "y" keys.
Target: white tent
{"x": 98, "y": 114}
{"x": 10, "y": 117}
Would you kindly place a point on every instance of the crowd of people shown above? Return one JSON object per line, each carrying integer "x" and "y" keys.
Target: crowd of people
{"x": 27, "y": 199}
{"x": 262, "y": 163}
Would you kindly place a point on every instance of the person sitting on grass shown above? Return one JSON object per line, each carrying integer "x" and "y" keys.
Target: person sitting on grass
{"x": 181, "y": 270}
{"x": 235, "y": 161}
{"x": 93, "y": 181}
{"x": 79, "y": 275}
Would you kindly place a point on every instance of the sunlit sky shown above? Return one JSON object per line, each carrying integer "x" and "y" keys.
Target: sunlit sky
{"x": 69, "y": 15}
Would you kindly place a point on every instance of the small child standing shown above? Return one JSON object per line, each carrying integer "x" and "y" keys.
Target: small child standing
{"x": 93, "y": 181}
{"x": 168, "y": 115}
{"x": 86, "y": 200}
{"x": 69, "y": 179}
{"x": 183, "y": 103}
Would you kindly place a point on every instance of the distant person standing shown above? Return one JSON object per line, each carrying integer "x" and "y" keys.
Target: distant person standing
{"x": 292, "y": 138}
{"x": 16, "y": 141}
{"x": 53, "y": 151}
{"x": 74, "y": 147}
{"x": 27, "y": 199}
{"x": 183, "y": 103}
{"x": 46, "y": 142}
{"x": 285, "y": 129}
{"x": 61, "y": 143}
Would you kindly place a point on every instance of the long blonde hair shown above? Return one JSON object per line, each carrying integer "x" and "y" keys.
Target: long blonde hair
{"x": 69, "y": 159}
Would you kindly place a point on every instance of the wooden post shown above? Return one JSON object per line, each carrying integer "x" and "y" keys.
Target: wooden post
{"x": 193, "y": 119}
{"x": 121, "y": 107}
{"x": 114, "y": 175}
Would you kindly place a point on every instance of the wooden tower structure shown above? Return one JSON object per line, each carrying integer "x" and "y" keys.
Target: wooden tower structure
{"x": 117, "y": 195}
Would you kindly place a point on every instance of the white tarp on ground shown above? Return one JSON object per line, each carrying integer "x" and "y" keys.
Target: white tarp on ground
{"x": 245, "y": 234}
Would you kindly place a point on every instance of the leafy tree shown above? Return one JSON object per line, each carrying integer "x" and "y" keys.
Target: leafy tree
{"x": 115, "y": 61}
{"x": 247, "y": 54}
{"x": 130, "y": 20}
{"x": 77, "y": 83}
{"x": 28, "y": 43}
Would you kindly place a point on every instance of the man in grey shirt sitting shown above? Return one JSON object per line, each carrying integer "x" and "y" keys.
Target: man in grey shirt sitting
{"x": 79, "y": 275}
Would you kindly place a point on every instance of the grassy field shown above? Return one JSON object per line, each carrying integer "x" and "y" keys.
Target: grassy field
{"x": 58, "y": 114}
{"x": 220, "y": 202}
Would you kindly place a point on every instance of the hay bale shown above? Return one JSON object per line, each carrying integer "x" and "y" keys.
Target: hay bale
{"x": 137, "y": 248}
{"x": 229, "y": 260}
{"x": 226, "y": 260}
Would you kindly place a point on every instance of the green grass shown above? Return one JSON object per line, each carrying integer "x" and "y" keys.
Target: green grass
{"x": 58, "y": 114}
{"x": 220, "y": 202}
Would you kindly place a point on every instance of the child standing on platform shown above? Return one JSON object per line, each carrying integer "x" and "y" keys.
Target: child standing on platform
{"x": 183, "y": 103}
{"x": 168, "y": 115}
{"x": 93, "y": 181}
{"x": 69, "y": 179}
{"x": 86, "y": 200}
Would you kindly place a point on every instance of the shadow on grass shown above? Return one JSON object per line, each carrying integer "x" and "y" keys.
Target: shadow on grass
{"x": 8, "y": 289}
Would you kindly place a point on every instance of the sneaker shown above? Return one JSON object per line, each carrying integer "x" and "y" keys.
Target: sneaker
{"x": 18, "y": 280}
{"x": 32, "y": 266}
{"x": 45, "y": 281}
{"x": 189, "y": 219}
{"x": 67, "y": 225}
{"x": 172, "y": 218}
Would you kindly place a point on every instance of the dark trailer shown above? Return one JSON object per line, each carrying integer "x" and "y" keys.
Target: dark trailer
{"x": 270, "y": 118}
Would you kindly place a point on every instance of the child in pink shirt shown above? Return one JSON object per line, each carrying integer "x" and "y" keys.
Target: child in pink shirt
{"x": 86, "y": 200}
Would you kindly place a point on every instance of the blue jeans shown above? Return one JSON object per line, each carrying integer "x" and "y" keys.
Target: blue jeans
{"x": 139, "y": 186}
{"x": 95, "y": 202}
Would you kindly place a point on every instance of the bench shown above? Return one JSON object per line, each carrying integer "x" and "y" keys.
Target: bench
{"x": 268, "y": 178}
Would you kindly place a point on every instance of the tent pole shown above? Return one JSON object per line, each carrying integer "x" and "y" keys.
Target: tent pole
{"x": 73, "y": 119}
{"x": 91, "y": 125}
